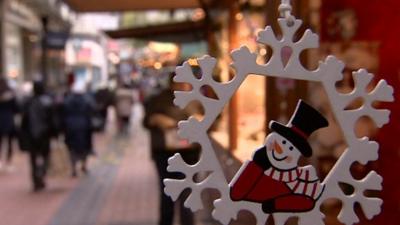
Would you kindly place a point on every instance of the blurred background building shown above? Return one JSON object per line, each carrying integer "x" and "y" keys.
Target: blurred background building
{"x": 33, "y": 39}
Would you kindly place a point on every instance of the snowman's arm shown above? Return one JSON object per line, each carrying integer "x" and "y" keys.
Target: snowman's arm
{"x": 289, "y": 203}
{"x": 249, "y": 174}
{"x": 244, "y": 180}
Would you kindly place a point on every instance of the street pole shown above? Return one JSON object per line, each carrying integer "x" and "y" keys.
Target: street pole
{"x": 44, "y": 50}
{"x": 233, "y": 104}
{"x": 2, "y": 44}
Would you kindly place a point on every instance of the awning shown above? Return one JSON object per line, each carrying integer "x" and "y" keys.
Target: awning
{"x": 129, "y": 5}
{"x": 174, "y": 32}
{"x": 135, "y": 5}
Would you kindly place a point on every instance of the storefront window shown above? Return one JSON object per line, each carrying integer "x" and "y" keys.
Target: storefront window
{"x": 13, "y": 52}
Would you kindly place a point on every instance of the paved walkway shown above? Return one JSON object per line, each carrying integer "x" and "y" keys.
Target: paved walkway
{"x": 121, "y": 188}
{"x": 19, "y": 205}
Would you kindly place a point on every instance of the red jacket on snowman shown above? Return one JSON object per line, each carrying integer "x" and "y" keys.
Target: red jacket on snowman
{"x": 273, "y": 177}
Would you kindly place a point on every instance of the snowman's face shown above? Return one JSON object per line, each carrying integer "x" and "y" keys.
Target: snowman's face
{"x": 281, "y": 152}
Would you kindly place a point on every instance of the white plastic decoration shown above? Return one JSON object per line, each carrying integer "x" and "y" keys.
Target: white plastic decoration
{"x": 329, "y": 72}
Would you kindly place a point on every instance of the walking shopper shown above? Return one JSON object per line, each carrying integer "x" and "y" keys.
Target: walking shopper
{"x": 8, "y": 108}
{"x": 77, "y": 111}
{"x": 37, "y": 127}
{"x": 103, "y": 99}
{"x": 123, "y": 105}
{"x": 161, "y": 119}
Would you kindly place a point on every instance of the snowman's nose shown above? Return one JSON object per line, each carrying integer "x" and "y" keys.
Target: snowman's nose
{"x": 277, "y": 148}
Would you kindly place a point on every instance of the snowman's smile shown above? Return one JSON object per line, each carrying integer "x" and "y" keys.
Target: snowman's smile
{"x": 276, "y": 158}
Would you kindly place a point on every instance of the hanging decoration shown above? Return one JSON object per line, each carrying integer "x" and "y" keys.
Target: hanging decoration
{"x": 272, "y": 183}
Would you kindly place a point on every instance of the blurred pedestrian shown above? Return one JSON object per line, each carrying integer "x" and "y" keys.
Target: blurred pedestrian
{"x": 78, "y": 107}
{"x": 8, "y": 109}
{"x": 37, "y": 127}
{"x": 161, "y": 118}
{"x": 103, "y": 99}
{"x": 123, "y": 104}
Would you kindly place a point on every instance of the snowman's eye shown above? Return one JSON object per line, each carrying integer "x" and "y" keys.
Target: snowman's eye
{"x": 291, "y": 148}
{"x": 284, "y": 142}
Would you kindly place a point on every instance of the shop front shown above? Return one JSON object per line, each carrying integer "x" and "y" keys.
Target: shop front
{"x": 22, "y": 43}
{"x": 86, "y": 59}
{"x": 33, "y": 41}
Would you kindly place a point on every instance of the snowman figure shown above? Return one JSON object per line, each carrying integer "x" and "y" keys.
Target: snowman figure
{"x": 273, "y": 177}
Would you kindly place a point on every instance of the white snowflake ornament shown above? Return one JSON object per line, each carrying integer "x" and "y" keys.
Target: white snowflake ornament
{"x": 300, "y": 181}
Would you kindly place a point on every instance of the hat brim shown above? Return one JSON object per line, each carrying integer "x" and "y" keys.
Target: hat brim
{"x": 299, "y": 142}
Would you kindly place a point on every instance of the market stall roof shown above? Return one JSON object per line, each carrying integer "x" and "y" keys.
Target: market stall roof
{"x": 129, "y": 5}
{"x": 181, "y": 32}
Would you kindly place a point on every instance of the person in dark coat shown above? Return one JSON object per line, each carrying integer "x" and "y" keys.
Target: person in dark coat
{"x": 161, "y": 118}
{"x": 37, "y": 127}
{"x": 77, "y": 110}
{"x": 8, "y": 109}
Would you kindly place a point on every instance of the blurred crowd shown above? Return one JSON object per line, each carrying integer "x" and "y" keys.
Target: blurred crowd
{"x": 37, "y": 116}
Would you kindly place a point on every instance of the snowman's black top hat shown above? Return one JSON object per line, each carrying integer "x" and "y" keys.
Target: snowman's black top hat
{"x": 304, "y": 121}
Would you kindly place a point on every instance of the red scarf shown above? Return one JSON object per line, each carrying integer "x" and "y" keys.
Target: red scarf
{"x": 301, "y": 180}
